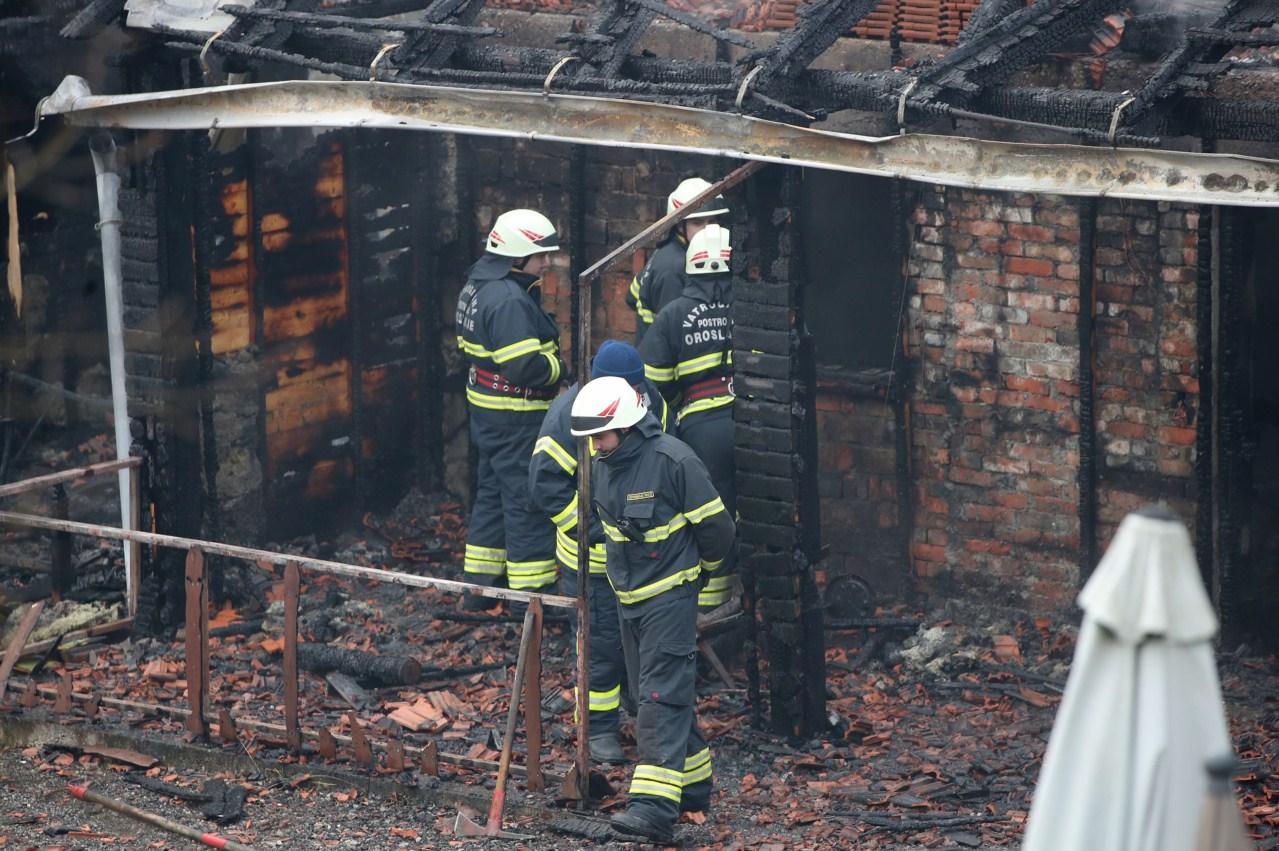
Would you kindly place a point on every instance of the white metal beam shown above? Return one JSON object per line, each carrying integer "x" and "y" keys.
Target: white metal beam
{"x": 949, "y": 160}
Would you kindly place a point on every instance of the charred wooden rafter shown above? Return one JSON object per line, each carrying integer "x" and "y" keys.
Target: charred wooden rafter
{"x": 988, "y": 14}
{"x": 430, "y": 50}
{"x": 820, "y": 25}
{"x": 92, "y": 18}
{"x": 615, "y": 30}
{"x": 1166, "y": 83}
{"x": 334, "y": 21}
{"x": 992, "y": 57}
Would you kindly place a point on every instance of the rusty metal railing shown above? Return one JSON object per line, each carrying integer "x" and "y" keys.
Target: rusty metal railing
{"x": 199, "y": 720}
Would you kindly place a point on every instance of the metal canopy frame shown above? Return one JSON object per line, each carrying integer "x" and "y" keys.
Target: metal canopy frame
{"x": 1134, "y": 173}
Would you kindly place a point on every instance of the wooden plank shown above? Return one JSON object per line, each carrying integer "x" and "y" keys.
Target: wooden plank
{"x": 133, "y": 549}
{"x": 291, "y": 588}
{"x": 533, "y": 700}
{"x": 77, "y": 474}
{"x": 336, "y": 568}
{"x": 195, "y": 658}
{"x": 77, "y": 635}
{"x": 14, "y": 651}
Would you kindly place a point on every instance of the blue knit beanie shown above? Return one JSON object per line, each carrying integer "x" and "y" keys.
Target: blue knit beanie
{"x": 617, "y": 358}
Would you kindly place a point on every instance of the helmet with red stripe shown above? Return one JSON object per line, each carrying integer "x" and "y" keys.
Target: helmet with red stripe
{"x": 522, "y": 233}
{"x": 690, "y": 189}
{"x": 709, "y": 252}
{"x": 605, "y": 404}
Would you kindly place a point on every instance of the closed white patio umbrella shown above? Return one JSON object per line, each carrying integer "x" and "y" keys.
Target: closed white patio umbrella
{"x": 1142, "y": 713}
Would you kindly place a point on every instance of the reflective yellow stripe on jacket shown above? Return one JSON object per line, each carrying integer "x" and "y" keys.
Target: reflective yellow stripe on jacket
{"x": 708, "y": 404}
{"x": 497, "y": 402}
{"x": 656, "y": 535}
{"x": 566, "y": 552}
{"x": 550, "y": 446}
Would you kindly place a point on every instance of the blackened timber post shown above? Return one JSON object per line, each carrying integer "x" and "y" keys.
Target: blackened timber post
{"x": 1087, "y": 479}
{"x": 202, "y": 232}
{"x": 577, "y": 232}
{"x": 774, "y": 377}
{"x": 424, "y": 212}
{"x": 60, "y": 573}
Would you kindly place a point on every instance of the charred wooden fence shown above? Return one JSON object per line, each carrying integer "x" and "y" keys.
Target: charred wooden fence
{"x": 201, "y": 721}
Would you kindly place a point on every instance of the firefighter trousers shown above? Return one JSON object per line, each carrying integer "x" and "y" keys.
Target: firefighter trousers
{"x": 507, "y": 538}
{"x": 607, "y": 663}
{"x": 711, "y": 435}
{"x": 659, "y": 637}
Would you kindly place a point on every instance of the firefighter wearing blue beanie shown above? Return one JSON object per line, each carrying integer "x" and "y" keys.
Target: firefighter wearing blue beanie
{"x": 620, "y": 359}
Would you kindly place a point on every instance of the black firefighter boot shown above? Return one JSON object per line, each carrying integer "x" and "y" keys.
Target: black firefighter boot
{"x": 638, "y": 821}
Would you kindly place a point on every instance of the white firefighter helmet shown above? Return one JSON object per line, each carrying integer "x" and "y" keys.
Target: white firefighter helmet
{"x": 690, "y": 189}
{"x": 522, "y": 233}
{"x": 709, "y": 251}
{"x": 605, "y": 404}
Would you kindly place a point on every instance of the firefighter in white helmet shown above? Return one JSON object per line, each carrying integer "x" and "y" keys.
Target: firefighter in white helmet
{"x": 664, "y": 525}
{"x": 552, "y": 482}
{"x": 662, "y": 278}
{"x": 688, "y": 354}
{"x": 513, "y": 349}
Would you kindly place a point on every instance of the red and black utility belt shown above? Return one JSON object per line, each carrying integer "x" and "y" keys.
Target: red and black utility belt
{"x": 482, "y": 379}
{"x": 718, "y": 386}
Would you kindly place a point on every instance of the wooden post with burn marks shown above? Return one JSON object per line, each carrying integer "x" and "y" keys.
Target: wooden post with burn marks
{"x": 196, "y": 642}
{"x": 291, "y": 592}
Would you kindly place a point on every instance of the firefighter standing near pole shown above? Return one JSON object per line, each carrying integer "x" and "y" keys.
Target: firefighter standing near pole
{"x": 513, "y": 350}
{"x": 553, "y": 489}
{"x": 662, "y": 279}
{"x": 665, "y": 526}
{"x": 688, "y": 353}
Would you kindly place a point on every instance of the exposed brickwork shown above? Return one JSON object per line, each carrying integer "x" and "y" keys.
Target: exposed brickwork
{"x": 994, "y": 313}
{"x": 1148, "y": 388}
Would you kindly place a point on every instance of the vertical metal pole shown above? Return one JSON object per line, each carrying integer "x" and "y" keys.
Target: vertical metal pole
{"x": 291, "y": 586}
{"x": 533, "y": 700}
{"x": 583, "y": 338}
{"x": 108, "y": 178}
{"x": 196, "y": 660}
{"x": 60, "y": 577}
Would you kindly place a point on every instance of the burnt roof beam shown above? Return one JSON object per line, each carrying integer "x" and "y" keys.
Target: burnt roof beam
{"x": 615, "y": 29}
{"x": 1007, "y": 47}
{"x": 327, "y": 21}
{"x": 820, "y": 25}
{"x": 696, "y": 24}
{"x": 428, "y": 50}
{"x": 92, "y": 18}
{"x": 986, "y": 15}
{"x": 1167, "y": 83}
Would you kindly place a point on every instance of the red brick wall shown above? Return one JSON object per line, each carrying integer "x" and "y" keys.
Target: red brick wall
{"x": 994, "y": 309}
{"x": 1148, "y": 388}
